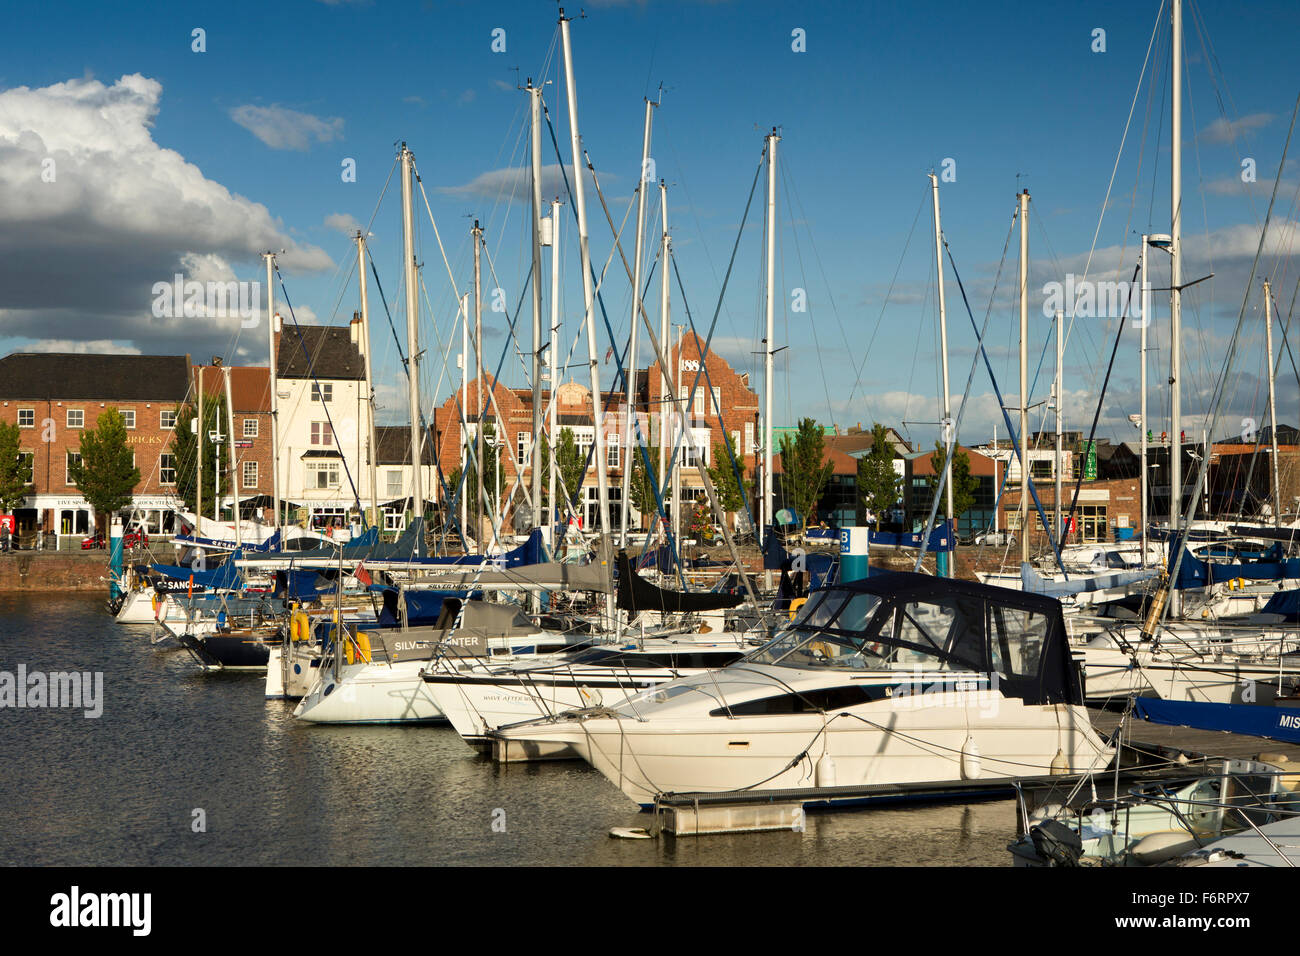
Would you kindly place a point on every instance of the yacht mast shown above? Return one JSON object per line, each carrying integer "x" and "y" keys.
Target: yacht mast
{"x": 275, "y": 402}
{"x": 234, "y": 470}
{"x": 588, "y": 295}
{"x": 552, "y": 434}
{"x": 769, "y": 341}
{"x": 535, "y": 484}
{"x": 364, "y": 340}
{"x": 630, "y": 365}
{"x": 941, "y": 557}
{"x": 1272, "y": 404}
{"x": 665, "y": 384}
{"x": 479, "y": 478}
{"x": 463, "y": 449}
{"x": 412, "y": 331}
{"x": 1176, "y": 279}
{"x": 1025, "y": 479}
{"x": 1060, "y": 387}
{"x": 1142, "y": 388}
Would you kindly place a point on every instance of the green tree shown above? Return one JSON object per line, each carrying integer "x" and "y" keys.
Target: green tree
{"x": 105, "y": 474}
{"x": 184, "y": 449}
{"x": 804, "y": 467}
{"x": 571, "y": 465}
{"x": 964, "y": 484}
{"x": 879, "y": 486}
{"x": 640, "y": 488}
{"x": 15, "y": 468}
{"x": 723, "y": 476}
{"x": 491, "y": 455}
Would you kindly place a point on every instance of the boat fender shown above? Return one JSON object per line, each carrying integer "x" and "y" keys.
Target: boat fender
{"x": 1158, "y": 847}
{"x": 363, "y": 646}
{"x": 1060, "y": 766}
{"x": 826, "y": 771}
{"x": 970, "y": 759}
{"x": 156, "y": 601}
{"x": 795, "y": 605}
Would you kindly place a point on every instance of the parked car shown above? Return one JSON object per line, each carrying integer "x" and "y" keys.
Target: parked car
{"x": 995, "y": 537}
{"x": 138, "y": 538}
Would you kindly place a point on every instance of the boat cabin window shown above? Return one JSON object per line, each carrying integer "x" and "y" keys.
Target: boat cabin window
{"x": 1016, "y": 640}
{"x": 833, "y": 634}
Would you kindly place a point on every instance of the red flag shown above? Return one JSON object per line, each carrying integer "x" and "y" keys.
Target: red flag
{"x": 362, "y": 575}
{"x": 608, "y": 352}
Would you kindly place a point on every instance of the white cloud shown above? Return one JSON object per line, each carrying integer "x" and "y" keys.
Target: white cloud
{"x": 82, "y": 347}
{"x": 1227, "y": 131}
{"x": 282, "y": 128}
{"x": 94, "y": 212}
{"x": 342, "y": 222}
{"x": 513, "y": 182}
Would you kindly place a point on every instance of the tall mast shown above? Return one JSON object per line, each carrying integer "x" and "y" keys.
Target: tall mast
{"x": 201, "y": 430}
{"x": 535, "y": 481}
{"x": 630, "y": 365}
{"x": 944, "y": 401}
{"x": 588, "y": 295}
{"x": 1176, "y": 279}
{"x": 412, "y": 331}
{"x": 769, "y": 342}
{"x": 479, "y": 478}
{"x": 370, "y": 382}
{"x": 464, "y": 421}
{"x": 665, "y": 385}
{"x": 275, "y": 401}
{"x": 234, "y": 470}
{"x": 1060, "y": 388}
{"x": 1272, "y": 404}
{"x": 1025, "y": 478}
{"x": 1142, "y": 388}
{"x": 685, "y": 437}
{"x": 555, "y": 354}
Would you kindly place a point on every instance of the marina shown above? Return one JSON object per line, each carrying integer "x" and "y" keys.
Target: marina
{"x": 589, "y": 467}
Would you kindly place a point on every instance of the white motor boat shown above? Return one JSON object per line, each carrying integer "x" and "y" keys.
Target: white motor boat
{"x": 900, "y": 678}
{"x": 478, "y": 696}
{"x": 382, "y": 683}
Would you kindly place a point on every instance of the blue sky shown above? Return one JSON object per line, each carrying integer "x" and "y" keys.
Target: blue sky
{"x": 1013, "y": 93}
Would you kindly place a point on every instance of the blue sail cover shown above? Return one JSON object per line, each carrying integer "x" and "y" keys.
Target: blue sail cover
{"x": 224, "y": 577}
{"x": 1253, "y": 720}
{"x": 1194, "y": 573}
{"x": 1285, "y": 603}
{"x": 422, "y": 607}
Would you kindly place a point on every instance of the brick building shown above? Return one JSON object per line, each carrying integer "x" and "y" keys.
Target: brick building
{"x": 250, "y": 393}
{"x": 54, "y": 397}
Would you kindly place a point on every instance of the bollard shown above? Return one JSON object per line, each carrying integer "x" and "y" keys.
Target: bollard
{"x": 115, "y": 558}
{"x": 854, "y": 552}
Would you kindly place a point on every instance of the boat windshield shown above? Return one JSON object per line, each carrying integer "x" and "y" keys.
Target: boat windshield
{"x": 831, "y": 633}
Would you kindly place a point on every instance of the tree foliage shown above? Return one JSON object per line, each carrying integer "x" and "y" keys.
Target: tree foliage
{"x": 15, "y": 468}
{"x": 105, "y": 475}
{"x": 805, "y": 468}
{"x": 964, "y": 484}
{"x": 184, "y": 449}
{"x": 723, "y": 476}
{"x": 879, "y": 485}
{"x": 641, "y": 489}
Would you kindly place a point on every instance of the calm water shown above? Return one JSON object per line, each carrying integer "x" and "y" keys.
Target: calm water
{"x": 122, "y": 789}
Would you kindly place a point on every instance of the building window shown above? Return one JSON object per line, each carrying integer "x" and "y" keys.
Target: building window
{"x": 611, "y": 451}
{"x": 523, "y": 448}
{"x": 1040, "y": 468}
{"x": 698, "y": 411}
{"x": 735, "y": 444}
{"x": 394, "y": 483}
{"x": 394, "y": 519}
{"x": 322, "y": 518}
{"x": 749, "y": 448}
{"x": 250, "y": 474}
{"x": 73, "y": 457}
{"x": 1013, "y": 520}
{"x": 128, "y": 417}
{"x": 28, "y": 458}
{"x": 321, "y": 433}
{"x": 167, "y": 419}
{"x": 323, "y": 475}
{"x": 76, "y": 418}
{"x": 322, "y": 392}
{"x": 250, "y": 427}
{"x": 26, "y": 418}
{"x": 167, "y": 469}
{"x": 1093, "y": 522}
